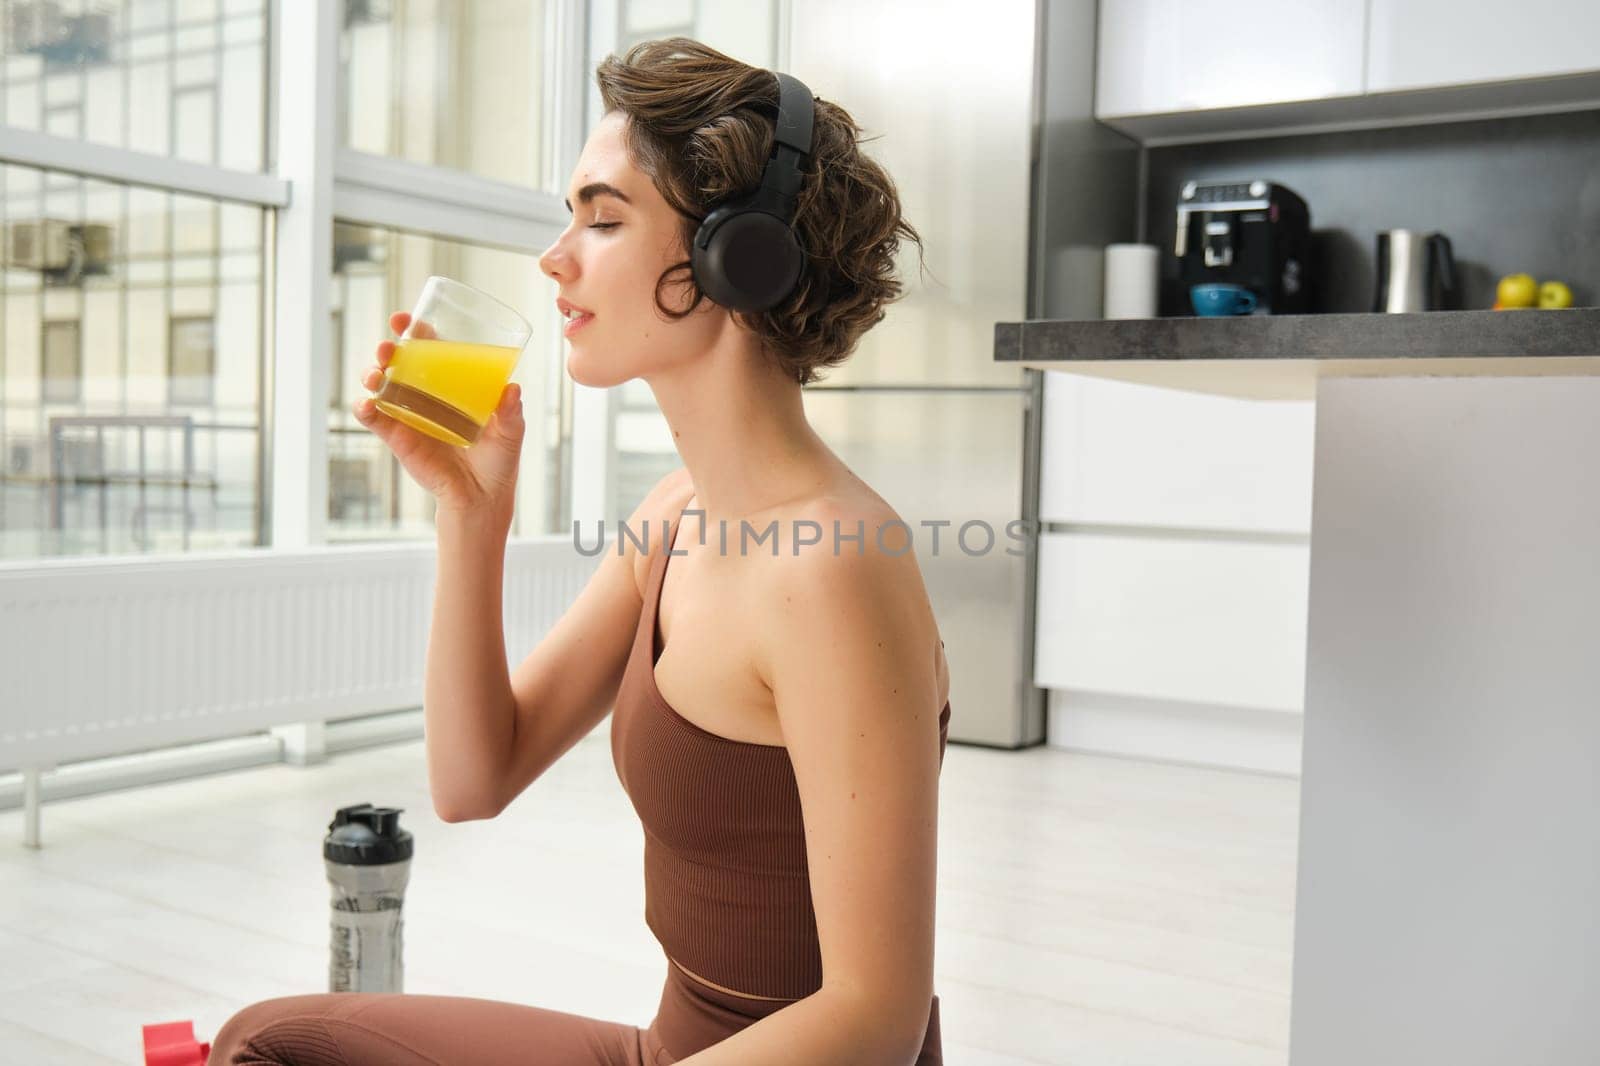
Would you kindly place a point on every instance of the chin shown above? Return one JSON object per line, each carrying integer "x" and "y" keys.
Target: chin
{"x": 586, "y": 370}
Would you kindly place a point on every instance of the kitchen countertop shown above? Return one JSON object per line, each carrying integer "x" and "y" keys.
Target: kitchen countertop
{"x": 1283, "y": 356}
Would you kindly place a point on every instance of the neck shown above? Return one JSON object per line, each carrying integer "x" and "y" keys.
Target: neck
{"x": 740, "y": 427}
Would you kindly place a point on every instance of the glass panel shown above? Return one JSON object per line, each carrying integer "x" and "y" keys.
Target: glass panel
{"x": 129, "y": 398}
{"x": 144, "y": 74}
{"x": 743, "y": 29}
{"x": 378, "y": 271}
{"x": 446, "y": 82}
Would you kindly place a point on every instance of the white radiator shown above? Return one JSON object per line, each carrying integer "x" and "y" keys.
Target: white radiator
{"x": 110, "y": 656}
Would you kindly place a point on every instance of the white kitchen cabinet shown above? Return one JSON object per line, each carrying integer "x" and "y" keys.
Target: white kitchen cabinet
{"x": 1120, "y": 454}
{"x": 1426, "y": 44}
{"x": 1213, "y": 622}
{"x": 1158, "y": 56}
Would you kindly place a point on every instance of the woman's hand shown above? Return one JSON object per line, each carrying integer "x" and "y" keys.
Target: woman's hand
{"x": 481, "y": 478}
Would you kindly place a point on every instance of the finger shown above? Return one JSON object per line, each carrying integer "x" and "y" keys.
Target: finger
{"x": 398, "y": 322}
{"x": 382, "y": 425}
{"x": 508, "y": 415}
{"x": 424, "y": 331}
{"x": 385, "y": 352}
{"x": 372, "y": 379}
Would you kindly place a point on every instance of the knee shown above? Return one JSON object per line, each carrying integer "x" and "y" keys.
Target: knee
{"x": 274, "y": 1032}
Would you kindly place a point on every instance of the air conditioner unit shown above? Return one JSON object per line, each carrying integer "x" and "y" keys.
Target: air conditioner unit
{"x": 359, "y": 11}
{"x": 40, "y": 244}
{"x": 30, "y": 27}
{"x": 90, "y": 38}
{"x": 41, "y": 28}
{"x": 358, "y": 244}
{"x": 95, "y": 238}
{"x": 63, "y": 251}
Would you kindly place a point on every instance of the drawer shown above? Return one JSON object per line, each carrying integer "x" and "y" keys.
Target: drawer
{"x": 1200, "y": 619}
{"x": 1116, "y": 453}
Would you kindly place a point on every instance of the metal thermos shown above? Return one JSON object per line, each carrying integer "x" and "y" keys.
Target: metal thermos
{"x": 368, "y": 859}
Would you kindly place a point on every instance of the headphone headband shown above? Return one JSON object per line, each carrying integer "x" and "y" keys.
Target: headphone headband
{"x": 794, "y": 114}
{"x": 791, "y": 145}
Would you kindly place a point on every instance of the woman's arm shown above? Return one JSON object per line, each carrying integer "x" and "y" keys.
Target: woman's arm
{"x": 467, "y": 706}
{"x": 846, "y": 654}
{"x": 492, "y": 731}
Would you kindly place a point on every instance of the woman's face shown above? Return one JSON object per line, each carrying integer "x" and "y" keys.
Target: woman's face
{"x": 606, "y": 262}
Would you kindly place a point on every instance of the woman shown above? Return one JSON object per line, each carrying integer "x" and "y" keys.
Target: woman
{"x": 780, "y": 711}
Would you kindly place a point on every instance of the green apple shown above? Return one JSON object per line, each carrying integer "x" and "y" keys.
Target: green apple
{"x": 1554, "y": 294}
{"x": 1517, "y": 290}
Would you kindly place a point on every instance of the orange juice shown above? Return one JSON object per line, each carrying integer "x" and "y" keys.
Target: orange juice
{"x": 446, "y": 389}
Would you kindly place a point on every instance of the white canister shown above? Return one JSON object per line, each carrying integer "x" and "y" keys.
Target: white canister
{"x": 1131, "y": 276}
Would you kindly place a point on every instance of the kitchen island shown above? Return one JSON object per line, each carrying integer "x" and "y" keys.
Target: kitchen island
{"x": 1449, "y": 855}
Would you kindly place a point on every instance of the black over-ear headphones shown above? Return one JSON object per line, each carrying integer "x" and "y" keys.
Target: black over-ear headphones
{"x": 745, "y": 255}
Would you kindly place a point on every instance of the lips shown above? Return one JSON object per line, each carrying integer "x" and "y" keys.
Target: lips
{"x": 577, "y": 317}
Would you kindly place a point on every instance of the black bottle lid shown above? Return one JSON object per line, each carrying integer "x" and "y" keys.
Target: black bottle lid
{"x": 364, "y": 835}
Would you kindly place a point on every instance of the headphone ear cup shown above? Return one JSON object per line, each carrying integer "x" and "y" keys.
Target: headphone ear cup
{"x": 746, "y": 260}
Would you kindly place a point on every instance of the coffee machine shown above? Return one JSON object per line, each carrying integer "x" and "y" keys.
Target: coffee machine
{"x": 1254, "y": 234}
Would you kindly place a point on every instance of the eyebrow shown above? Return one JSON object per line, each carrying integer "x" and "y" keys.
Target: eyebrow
{"x": 597, "y": 188}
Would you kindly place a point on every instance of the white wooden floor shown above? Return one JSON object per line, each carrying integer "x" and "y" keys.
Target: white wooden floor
{"x": 1091, "y": 910}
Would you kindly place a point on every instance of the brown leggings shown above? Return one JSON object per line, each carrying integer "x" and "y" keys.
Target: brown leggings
{"x": 369, "y": 1029}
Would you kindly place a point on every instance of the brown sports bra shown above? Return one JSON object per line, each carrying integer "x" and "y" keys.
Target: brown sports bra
{"x": 727, "y": 892}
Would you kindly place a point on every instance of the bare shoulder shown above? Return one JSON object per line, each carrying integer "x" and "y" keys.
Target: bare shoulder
{"x": 660, "y": 507}
{"x": 857, "y": 534}
{"x": 852, "y": 606}
{"x": 850, "y": 554}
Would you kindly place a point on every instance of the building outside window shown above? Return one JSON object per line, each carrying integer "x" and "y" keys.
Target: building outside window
{"x": 130, "y": 316}
{"x": 155, "y": 76}
{"x": 136, "y": 312}
{"x": 121, "y": 307}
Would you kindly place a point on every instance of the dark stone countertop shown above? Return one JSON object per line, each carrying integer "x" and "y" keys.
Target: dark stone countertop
{"x": 1283, "y": 356}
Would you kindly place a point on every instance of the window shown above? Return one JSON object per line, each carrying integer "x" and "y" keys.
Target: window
{"x": 151, "y": 75}
{"x": 141, "y": 310}
{"x": 744, "y": 29}
{"x": 379, "y": 271}
{"x": 63, "y": 362}
{"x": 455, "y": 83}
{"x": 135, "y": 297}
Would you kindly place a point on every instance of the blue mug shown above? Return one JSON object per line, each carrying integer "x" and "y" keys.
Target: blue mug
{"x": 1217, "y": 299}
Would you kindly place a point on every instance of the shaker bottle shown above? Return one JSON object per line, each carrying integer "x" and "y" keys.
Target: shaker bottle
{"x": 368, "y": 859}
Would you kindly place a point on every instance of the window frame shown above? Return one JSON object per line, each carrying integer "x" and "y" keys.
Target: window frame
{"x": 307, "y": 182}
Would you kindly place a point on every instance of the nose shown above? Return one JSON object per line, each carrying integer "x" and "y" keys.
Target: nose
{"x": 556, "y": 262}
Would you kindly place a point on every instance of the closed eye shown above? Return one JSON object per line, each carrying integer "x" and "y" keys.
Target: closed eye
{"x": 604, "y": 225}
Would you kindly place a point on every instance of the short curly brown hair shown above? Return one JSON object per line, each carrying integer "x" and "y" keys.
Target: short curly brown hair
{"x": 700, "y": 124}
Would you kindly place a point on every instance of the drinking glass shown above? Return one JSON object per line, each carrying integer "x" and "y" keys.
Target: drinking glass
{"x": 452, "y": 362}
